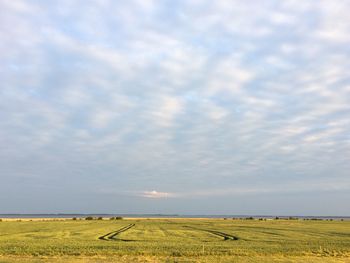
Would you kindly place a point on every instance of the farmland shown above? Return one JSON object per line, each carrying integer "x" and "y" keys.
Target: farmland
{"x": 174, "y": 240}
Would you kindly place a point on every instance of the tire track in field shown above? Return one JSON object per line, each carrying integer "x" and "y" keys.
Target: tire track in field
{"x": 217, "y": 233}
{"x": 165, "y": 231}
{"x": 112, "y": 235}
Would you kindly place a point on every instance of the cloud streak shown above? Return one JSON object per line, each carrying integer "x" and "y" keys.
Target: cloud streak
{"x": 156, "y": 194}
{"x": 322, "y": 186}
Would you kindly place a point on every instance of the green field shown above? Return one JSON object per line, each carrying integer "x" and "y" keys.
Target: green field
{"x": 175, "y": 240}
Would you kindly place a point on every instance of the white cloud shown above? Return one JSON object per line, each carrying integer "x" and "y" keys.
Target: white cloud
{"x": 156, "y": 194}
{"x": 334, "y": 22}
{"x": 282, "y": 18}
{"x": 167, "y": 108}
{"x": 18, "y": 6}
{"x": 229, "y": 76}
{"x": 290, "y": 187}
{"x": 102, "y": 118}
{"x": 288, "y": 148}
{"x": 216, "y": 113}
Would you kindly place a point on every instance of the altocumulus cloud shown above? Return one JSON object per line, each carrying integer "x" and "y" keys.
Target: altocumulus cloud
{"x": 196, "y": 98}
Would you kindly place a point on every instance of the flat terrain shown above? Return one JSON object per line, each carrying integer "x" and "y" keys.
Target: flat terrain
{"x": 174, "y": 240}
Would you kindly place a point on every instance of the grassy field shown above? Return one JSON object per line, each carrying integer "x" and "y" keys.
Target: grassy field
{"x": 175, "y": 240}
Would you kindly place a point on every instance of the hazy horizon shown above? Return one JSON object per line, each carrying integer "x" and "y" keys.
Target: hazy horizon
{"x": 168, "y": 215}
{"x": 175, "y": 107}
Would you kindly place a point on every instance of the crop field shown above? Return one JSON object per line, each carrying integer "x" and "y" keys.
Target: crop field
{"x": 174, "y": 240}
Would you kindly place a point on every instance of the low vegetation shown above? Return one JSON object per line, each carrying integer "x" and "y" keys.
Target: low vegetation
{"x": 175, "y": 240}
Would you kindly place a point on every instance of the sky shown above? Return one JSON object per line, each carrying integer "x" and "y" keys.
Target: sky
{"x": 186, "y": 107}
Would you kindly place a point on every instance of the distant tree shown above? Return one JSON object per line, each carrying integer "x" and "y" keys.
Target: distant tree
{"x": 100, "y": 218}
{"x": 118, "y": 218}
{"x": 89, "y": 218}
{"x": 74, "y": 218}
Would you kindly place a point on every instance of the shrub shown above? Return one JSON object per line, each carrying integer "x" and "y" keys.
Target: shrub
{"x": 100, "y": 218}
{"x": 118, "y": 218}
{"x": 74, "y": 218}
{"x": 89, "y": 218}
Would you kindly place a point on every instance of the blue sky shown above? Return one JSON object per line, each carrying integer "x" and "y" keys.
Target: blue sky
{"x": 193, "y": 107}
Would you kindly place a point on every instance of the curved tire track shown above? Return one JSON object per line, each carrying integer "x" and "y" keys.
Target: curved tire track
{"x": 217, "y": 233}
{"x": 112, "y": 235}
